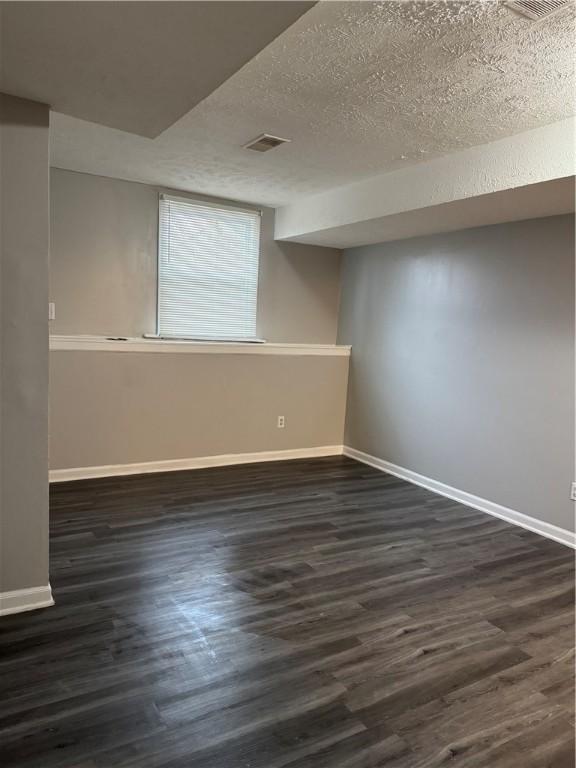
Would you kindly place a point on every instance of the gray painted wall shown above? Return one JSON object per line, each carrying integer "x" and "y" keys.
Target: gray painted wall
{"x": 462, "y": 363}
{"x": 103, "y": 258}
{"x": 23, "y": 344}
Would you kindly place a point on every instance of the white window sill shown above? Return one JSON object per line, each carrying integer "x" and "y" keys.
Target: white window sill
{"x": 103, "y": 344}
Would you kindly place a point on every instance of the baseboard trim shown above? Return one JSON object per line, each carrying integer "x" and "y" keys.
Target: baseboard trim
{"x": 21, "y": 600}
{"x": 504, "y": 513}
{"x": 173, "y": 465}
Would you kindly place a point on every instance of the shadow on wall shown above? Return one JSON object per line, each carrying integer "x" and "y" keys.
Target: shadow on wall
{"x": 310, "y": 272}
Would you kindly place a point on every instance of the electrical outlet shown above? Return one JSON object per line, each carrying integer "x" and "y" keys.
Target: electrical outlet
{"x": 281, "y": 422}
{"x": 573, "y": 492}
{"x": 51, "y": 311}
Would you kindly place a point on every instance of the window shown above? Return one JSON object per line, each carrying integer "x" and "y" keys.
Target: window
{"x": 207, "y": 270}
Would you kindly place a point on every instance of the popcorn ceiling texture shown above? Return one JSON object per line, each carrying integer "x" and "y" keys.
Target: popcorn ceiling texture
{"x": 361, "y": 88}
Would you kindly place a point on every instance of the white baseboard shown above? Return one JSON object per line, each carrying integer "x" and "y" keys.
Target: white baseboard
{"x": 504, "y": 513}
{"x": 173, "y": 465}
{"x": 25, "y": 600}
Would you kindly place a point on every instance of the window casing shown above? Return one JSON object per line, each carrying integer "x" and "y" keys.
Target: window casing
{"x": 208, "y": 258}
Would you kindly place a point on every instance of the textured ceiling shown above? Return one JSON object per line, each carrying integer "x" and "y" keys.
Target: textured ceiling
{"x": 137, "y": 66}
{"x": 361, "y": 88}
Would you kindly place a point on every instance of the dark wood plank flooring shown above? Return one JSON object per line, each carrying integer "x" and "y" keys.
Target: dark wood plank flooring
{"x": 308, "y": 614}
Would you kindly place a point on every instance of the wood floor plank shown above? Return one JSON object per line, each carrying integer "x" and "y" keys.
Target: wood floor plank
{"x": 304, "y": 614}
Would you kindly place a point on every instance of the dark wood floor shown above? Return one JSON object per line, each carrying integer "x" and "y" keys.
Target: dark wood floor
{"x": 310, "y": 614}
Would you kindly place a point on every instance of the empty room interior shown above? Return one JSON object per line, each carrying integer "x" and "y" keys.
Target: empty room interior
{"x": 287, "y": 384}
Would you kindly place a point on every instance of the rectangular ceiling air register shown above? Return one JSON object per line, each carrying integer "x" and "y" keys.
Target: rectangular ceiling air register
{"x": 537, "y": 9}
{"x": 265, "y": 142}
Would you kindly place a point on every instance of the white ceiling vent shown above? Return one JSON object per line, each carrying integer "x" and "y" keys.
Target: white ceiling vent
{"x": 537, "y": 9}
{"x": 265, "y": 142}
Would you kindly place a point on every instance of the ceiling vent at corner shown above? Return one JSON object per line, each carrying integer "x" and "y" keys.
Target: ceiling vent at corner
{"x": 537, "y": 9}
{"x": 265, "y": 142}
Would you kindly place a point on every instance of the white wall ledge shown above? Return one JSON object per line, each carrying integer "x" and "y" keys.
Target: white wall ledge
{"x": 103, "y": 344}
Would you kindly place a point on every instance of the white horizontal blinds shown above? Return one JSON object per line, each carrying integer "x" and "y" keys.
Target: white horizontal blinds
{"x": 208, "y": 270}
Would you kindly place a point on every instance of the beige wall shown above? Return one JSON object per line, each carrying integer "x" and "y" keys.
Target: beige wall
{"x": 462, "y": 363}
{"x": 132, "y": 407}
{"x": 103, "y": 240}
{"x": 103, "y": 266}
{"x": 23, "y": 344}
{"x": 124, "y": 408}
